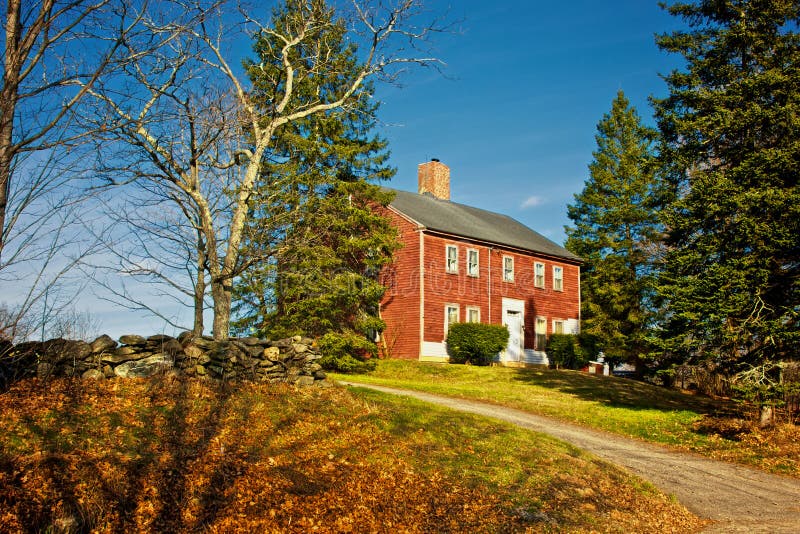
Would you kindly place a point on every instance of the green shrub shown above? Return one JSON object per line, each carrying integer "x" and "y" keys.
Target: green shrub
{"x": 347, "y": 352}
{"x": 563, "y": 351}
{"x": 475, "y": 343}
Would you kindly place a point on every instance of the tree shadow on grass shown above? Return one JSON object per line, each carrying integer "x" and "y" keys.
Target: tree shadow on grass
{"x": 84, "y": 476}
{"x": 165, "y": 455}
{"x": 622, "y": 392}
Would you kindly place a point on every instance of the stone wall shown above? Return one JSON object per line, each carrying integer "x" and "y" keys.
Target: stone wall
{"x": 292, "y": 360}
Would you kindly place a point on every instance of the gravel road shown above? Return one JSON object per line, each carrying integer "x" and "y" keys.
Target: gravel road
{"x": 736, "y": 498}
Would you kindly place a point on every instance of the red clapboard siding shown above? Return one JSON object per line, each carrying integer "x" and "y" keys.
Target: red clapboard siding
{"x": 400, "y": 308}
{"x": 400, "y": 305}
{"x": 442, "y": 287}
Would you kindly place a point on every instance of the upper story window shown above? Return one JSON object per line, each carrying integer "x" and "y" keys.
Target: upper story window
{"x": 558, "y": 278}
{"x": 538, "y": 274}
{"x": 472, "y": 262}
{"x": 508, "y": 269}
{"x": 473, "y": 314}
{"x": 452, "y": 259}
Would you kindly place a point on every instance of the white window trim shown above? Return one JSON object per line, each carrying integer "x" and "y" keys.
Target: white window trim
{"x": 475, "y": 309}
{"x": 537, "y": 333}
{"x": 447, "y": 259}
{"x": 505, "y": 278}
{"x": 536, "y": 275}
{"x": 563, "y": 325}
{"x": 477, "y": 262}
{"x": 447, "y": 316}
{"x": 559, "y": 279}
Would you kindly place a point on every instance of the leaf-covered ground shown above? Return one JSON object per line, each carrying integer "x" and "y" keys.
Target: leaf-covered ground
{"x": 184, "y": 456}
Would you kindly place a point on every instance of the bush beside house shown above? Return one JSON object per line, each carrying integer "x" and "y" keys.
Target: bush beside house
{"x": 564, "y": 351}
{"x": 475, "y": 343}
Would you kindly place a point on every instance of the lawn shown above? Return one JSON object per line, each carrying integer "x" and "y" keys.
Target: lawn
{"x": 714, "y": 428}
{"x": 174, "y": 455}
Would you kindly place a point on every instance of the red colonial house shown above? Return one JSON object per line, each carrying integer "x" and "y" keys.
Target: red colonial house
{"x": 461, "y": 264}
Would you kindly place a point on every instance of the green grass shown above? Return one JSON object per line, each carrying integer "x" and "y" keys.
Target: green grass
{"x": 620, "y": 406}
{"x": 537, "y": 475}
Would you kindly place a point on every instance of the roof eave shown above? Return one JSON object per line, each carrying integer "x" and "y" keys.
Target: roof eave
{"x": 574, "y": 260}
{"x": 407, "y": 217}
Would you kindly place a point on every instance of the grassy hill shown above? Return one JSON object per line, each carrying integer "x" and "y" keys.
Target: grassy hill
{"x": 716, "y": 428}
{"x": 175, "y": 455}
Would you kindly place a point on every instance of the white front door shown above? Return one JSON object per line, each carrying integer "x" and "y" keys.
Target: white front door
{"x": 513, "y": 321}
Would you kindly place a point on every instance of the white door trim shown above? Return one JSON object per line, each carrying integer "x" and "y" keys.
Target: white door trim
{"x": 516, "y": 307}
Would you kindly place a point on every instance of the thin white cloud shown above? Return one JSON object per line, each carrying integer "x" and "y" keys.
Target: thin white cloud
{"x": 532, "y": 202}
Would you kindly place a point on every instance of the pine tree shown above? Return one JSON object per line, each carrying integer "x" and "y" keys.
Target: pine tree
{"x": 731, "y": 137}
{"x": 615, "y": 229}
{"x": 316, "y": 243}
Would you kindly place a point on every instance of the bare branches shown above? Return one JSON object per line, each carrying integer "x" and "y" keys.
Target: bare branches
{"x": 54, "y": 51}
{"x": 193, "y": 128}
{"x": 43, "y": 246}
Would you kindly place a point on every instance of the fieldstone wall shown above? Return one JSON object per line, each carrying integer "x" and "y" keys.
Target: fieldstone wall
{"x": 292, "y": 360}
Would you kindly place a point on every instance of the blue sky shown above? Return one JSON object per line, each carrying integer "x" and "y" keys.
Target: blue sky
{"x": 515, "y": 111}
{"x": 525, "y": 85}
{"x": 514, "y": 115}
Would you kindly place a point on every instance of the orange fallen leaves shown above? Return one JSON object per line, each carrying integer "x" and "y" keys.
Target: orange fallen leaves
{"x": 186, "y": 456}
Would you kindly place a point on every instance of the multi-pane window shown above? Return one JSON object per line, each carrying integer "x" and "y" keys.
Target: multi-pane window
{"x": 541, "y": 333}
{"x": 558, "y": 278}
{"x": 472, "y": 262}
{"x": 558, "y": 326}
{"x": 450, "y": 316}
{"x": 452, "y": 259}
{"x": 538, "y": 272}
{"x": 473, "y": 314}
{"x": 508, "y": 268}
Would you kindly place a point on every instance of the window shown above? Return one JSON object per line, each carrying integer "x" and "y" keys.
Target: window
{"x": 538, "y": 280}
{"x": 558, "y": 326}
{"x": 541, "y": 333}
{"x": 473, "y": 314}
{"x": 450, "y": 317}
{"x": 452, "y": 259}
{"x": 472, "y": 262}
{"x": 508, "y": 268}
{"x": 558, "y": 279}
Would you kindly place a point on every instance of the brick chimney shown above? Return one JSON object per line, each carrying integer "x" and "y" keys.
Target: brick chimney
{"x": 434, "y": 178}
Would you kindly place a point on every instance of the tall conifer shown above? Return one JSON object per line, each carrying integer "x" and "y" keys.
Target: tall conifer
{"x": 731, "y": 130}
{"x": 615, "y": 228}
{"x": 315, "y": 242}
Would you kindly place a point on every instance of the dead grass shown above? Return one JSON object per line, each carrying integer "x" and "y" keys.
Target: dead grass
{"x": 775, "y": 449}
{"x": 186, "y": 456}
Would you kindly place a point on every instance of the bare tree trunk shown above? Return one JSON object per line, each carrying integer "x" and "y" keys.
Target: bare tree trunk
{"x": 6, "y": 124}
{"x": 199, "y": 288}
{"x": 767, "y": 416}
{"x": 221, "y": 292}
{"x": 8, "y": 105}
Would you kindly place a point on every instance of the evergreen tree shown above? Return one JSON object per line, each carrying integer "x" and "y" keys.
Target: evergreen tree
{"x": 731, "y": 138}
{"x": 615, "y": 229}
{"x": 315, "y": 243}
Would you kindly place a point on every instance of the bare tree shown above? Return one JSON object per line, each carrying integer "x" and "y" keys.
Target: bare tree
{"x": 148, "y": 243}
{"x": 207, "y": 158}
{"x": 44, "y": 244}
{"x": 46, "y": 73}
{"x": 54, "y": 52}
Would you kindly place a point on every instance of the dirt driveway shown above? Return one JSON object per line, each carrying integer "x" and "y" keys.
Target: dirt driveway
{"x": 737, "y": 498}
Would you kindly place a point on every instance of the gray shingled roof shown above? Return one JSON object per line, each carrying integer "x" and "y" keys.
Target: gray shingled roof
{"x": 466, "y": 221}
